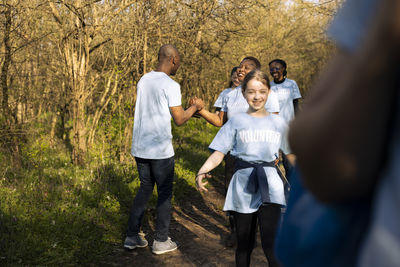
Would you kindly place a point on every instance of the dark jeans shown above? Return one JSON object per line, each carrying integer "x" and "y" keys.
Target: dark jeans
{"x": 151, "y": 172}
{"x": 268, "y": 216}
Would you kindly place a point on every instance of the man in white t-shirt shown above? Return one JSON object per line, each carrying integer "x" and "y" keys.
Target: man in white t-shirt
{"x": 158, "y": 97}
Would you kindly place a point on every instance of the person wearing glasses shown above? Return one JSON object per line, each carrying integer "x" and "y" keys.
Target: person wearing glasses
{"x": 288, "y": 96}
{"x": 287, "y": 90}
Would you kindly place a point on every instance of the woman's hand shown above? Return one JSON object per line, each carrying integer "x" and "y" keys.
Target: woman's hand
{"x": 199, "y": 181}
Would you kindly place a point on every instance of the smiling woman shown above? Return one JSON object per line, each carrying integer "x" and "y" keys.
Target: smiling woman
{"x": 288, "y": 95}
{"x": 287, "y": 90}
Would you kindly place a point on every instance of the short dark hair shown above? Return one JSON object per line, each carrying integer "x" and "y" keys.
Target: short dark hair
{"x": 230, "y": 77}
{"x": 282, "y": 62}
{"x": 255, "y": 60}
{"x": 233, "y": 70}
{"x": 167, "y": 51}
{"x": 258, "y": 75}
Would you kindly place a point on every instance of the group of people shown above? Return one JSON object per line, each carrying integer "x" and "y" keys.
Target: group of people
{"x": 251, "y": 137}
{"x": 344, "y": 138}
{"x": 253, "y": 115}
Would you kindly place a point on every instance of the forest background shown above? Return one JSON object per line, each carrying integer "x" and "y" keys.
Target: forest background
{"x": 68, "y": 78}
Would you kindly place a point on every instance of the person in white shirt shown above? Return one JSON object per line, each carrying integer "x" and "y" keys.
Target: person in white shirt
{"x": 288, "y": 96}
{"x": 233, "y": 83}
{"x": 158, "y": 98}
{"x": 256, "y": 191}
{"x": 286, "y": 89}
{"x": 234, "y": 102}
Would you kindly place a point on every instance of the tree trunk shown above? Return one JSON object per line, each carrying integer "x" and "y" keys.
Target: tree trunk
{"x": 12, "y": 129}
{"x": 6, "y": 63}
{"x": 145, "y": 47}
{"x": 103, "y": 103}
{"x": 53, "y": 129}
{"x": 79, "y": 131}
{"x": 125, "y": 149}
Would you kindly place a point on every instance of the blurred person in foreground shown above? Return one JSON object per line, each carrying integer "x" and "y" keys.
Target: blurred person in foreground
{"x": 347, "y": 137}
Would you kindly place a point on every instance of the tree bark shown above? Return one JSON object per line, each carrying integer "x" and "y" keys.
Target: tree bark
{"x": 12, "y": 129}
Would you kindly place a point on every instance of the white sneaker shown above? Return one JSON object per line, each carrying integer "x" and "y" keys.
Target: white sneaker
{"x": 164, "y": 247}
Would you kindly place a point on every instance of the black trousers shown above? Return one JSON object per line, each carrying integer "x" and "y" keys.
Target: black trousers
{"x": 152, "y": 172}
{"x": 268, "y": 216}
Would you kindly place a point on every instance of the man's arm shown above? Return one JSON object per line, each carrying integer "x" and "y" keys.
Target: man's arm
{"x": 340, "y": 135}
{"x": 181, "y": 116}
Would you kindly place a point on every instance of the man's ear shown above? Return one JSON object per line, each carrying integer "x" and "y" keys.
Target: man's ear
{"x": 171, "y": 60}
{"x": 174, "y": 60}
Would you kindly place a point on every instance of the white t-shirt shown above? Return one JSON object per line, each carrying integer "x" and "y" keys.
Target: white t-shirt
{"x": 234, "y": 102}
{"x": 254, "y": 140}
{"x": 286, "y": 91}
{"x": 218, "y": 102}
{"x": 152, "y": 137}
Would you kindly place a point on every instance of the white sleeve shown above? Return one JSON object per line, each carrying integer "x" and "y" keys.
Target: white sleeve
{"x": 295, "y": 91}
{"x": 174, "y": 95}
{"x": 224, "y": 106}
{"x": 219, "y": 102}
{"x": 224, "y": 140}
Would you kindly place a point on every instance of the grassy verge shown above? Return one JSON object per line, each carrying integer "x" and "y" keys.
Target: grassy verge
{"x": 54, "y": 213}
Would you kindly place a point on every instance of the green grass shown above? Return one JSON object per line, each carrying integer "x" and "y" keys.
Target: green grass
{"x": 54, "y": 213}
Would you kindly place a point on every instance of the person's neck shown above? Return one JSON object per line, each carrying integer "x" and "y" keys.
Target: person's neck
{"x": 163, "y": 68}
{"x": 257, "y": 113}
{"x": 281, "y": 81}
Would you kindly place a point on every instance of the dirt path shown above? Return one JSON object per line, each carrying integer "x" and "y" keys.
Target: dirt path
{"x": 200, "y": 227}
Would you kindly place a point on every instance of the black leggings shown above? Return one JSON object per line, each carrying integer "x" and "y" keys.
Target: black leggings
{"x": 268, "y": 216}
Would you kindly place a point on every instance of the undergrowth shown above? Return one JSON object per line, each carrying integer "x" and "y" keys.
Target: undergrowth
{"x": 55, "y": 213}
